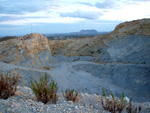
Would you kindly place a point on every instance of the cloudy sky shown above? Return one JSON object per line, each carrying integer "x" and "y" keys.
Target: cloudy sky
{"x": 61, "y": 16}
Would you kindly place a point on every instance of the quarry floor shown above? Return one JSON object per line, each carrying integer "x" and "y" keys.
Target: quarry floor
{"x": 89, "y": 77}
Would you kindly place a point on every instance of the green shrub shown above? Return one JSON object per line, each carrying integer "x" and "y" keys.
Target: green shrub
{"x": 99, "y": 51}
{"x": 45, "y": 92}
{"x": 113, "y": 105}
{"x": 8, "y": 85}
{"x": 71, "y": 95}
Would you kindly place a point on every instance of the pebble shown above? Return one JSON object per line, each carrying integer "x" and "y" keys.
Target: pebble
{"x": 26, "y": 104}
{"x": 76, "y": 107}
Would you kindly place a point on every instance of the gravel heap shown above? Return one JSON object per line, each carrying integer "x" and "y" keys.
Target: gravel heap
{"x": 24, "y": 101}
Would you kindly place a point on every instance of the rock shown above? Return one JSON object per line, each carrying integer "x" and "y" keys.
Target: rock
{"x": 69, "y": 102}
{"x": 30, "y": 50}
{"x": 135, "y": 27}
{"x": 127, "y": 99}
{"x": 76, "y": 107}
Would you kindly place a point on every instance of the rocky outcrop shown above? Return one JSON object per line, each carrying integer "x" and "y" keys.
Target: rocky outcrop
{"x": 31, "y": 50}
{"x": 135, "y": 27}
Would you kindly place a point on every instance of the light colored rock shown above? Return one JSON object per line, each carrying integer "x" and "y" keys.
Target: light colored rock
{"x": 30, "y": 50}
{"x": 127, "y": 99}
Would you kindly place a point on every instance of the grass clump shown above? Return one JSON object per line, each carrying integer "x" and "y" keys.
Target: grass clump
{"x": 130, "y": 109}
{"x": 8, "y": 85}
{"x": 71, "y": 95}
{"x": 113, "y": 105}
{"x": 45, "y": 92}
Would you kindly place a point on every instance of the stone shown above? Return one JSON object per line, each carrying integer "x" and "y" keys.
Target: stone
{"x": 33, "y": 51}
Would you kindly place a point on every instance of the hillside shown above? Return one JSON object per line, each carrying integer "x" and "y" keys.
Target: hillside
{"x": 129, "y": 42}
{"x": 118, "y": 62}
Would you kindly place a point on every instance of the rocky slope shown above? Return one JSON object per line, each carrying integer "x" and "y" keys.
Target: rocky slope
{"x": 24, "y": 101}
{"x": 135, "y": 27}
{"x": 129, "y": 42}
{"x": 30, "y": 50}
{"x": 118, "y": 62}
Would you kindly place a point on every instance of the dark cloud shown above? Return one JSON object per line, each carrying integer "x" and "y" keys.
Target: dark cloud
{"x": 105, "y": 5}
{"x": 82, "y": 14}
{"x": 22, "y": 6}
{"x": 85, "y": 3}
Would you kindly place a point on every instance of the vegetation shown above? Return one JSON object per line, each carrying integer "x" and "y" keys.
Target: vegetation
{"x": 92, "y": 52}
{"x": 8, "y": 85}
{"x": 130, "y": 109}
{"x": 99, "y": 51}
{"x": 71, "y": 95}
{"x": 45, "y": 92}
{"x": 115, "y": 105}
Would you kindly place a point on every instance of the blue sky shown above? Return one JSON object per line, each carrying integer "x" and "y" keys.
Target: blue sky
{"x": 62, "y": 16}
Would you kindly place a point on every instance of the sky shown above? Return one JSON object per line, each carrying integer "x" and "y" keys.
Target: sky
{"x": 21, "y": 17}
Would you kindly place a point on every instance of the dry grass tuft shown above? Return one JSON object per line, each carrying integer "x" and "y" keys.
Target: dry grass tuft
{"x": 71, "y": 95}
{"x": 8, "y": 85}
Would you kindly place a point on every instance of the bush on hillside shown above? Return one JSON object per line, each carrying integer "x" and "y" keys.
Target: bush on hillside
{"x": 71, "y": 95}
{"x": 113, "y": 105}
{"x": 8, "y": 85}
{"x": 45, "y": 92}
{"x": 116, "y": 105}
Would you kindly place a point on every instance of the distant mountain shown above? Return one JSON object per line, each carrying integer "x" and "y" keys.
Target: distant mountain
{"x": 88, "y": 32}
{"x": 80, "y": 34}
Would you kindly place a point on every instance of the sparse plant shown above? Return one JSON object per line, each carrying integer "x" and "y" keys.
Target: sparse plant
{"x": 8, "y": 85}
{"x": 45, "y": 92}
{"x": 103, "y": 92}
{"x": 71, "y": 95}
{"x": 113, "y": 105}
{"x": 92, "y": 52}
{"x": 130, "y": 109}
{"x": 116, "y": 105}
{"x": 99, "y": 51}
{"x": 140, "y": 108}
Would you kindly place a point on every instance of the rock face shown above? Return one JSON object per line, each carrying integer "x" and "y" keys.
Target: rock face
{"x": 129, "y": 42}
{"x": 136, "y": 27}
{"x": 30, "y": 50}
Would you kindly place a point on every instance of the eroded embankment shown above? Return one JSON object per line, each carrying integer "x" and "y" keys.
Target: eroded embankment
{"x": 134, "y": 79}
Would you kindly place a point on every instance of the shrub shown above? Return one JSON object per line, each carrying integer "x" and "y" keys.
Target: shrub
{"x": 45, "y": 92}
{"x": 99, "y": 51}
{"x": 116, "y": 106}
{"x": 130, "y": 109}
{"x": 8, "y": 85}
{"x": 71, "y": 95}
{"x": 92, "y": 52}
{"x": 113, "y": 105}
